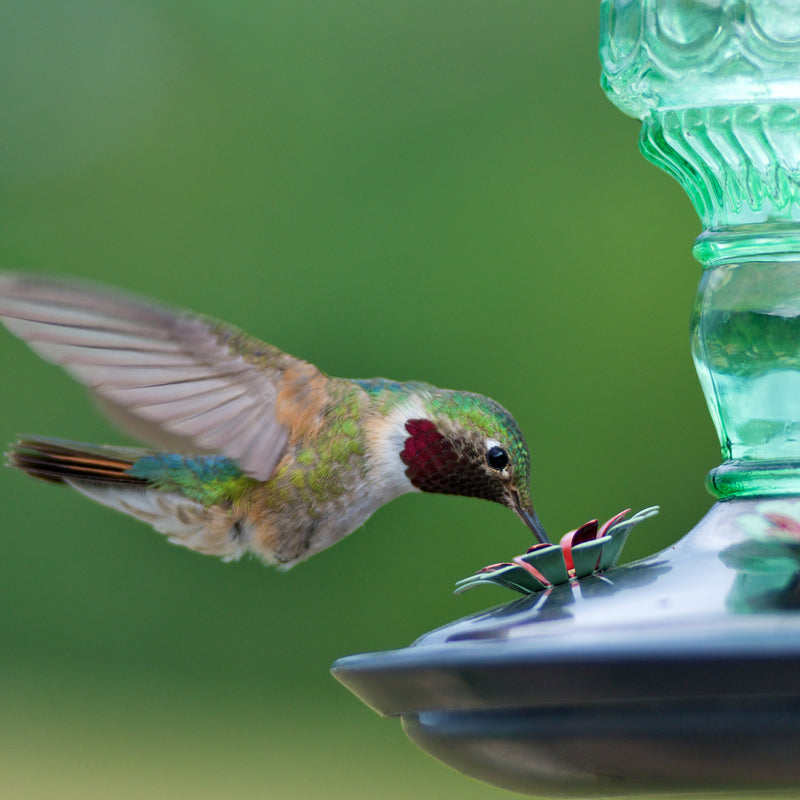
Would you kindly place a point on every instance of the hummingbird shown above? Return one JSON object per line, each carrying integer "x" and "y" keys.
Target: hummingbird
{"x": 253, "y": 450}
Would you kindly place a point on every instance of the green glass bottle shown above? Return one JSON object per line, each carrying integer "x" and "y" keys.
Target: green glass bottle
{"x": 716, "y": 84}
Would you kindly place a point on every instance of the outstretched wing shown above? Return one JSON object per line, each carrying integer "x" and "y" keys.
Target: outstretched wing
{"x": 178, "y": 380}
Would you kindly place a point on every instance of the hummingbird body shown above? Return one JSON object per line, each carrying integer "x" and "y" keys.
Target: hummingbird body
{"x": 258, "y": 451}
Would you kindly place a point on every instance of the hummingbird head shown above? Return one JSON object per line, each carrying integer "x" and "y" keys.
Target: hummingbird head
{"x": 469, "y": 445}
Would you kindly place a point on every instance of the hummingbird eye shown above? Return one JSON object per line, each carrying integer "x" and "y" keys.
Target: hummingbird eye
{"x": 497, "y": 458}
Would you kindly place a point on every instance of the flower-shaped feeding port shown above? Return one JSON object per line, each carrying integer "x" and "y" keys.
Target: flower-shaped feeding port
{"x": 585, "y": 551}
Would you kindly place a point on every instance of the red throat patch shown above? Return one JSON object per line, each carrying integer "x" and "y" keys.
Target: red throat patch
{"x": 429, "y": 457}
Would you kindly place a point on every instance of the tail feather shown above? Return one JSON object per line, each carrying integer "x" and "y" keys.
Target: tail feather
{"x": 102, "y": 474}
{"x": 62, "y": 461}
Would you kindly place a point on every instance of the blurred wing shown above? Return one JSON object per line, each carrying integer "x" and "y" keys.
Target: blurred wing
{"x": 179, "y": 381}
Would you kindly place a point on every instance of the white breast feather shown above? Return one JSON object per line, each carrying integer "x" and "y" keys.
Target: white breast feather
{"x": 386, "y": 437}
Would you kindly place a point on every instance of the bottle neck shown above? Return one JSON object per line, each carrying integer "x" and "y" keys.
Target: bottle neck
{"x": 754, "y": 242}
{"x": 746, "y": 348}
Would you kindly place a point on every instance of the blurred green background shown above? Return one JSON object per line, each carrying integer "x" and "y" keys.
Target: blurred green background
{"x": 421, "y": 190}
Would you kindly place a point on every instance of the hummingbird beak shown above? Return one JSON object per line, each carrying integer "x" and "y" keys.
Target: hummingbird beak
{"x": 528, "y": 516}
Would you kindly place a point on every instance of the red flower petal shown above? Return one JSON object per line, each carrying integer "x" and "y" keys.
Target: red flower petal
{"x": 533, "y": 571}
{"x": 613, "y": 521}
{"x": 493, "y": 567}
{"x": 538, "y": 546}
{"x": 784, "y": 523}
{"x": 586, "y": 533}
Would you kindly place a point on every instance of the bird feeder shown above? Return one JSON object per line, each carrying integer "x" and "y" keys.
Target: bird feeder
{"x": 677, "y": 672}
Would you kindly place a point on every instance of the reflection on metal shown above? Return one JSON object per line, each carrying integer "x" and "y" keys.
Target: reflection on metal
{"x": 767, "y": 563}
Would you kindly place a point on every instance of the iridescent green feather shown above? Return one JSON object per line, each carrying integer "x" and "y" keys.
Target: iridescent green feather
{"x": 327, "y": 467}
{"x": 486, "y": 415}
{"x": 473, "y": 411}
{"x": 207, "y": 479}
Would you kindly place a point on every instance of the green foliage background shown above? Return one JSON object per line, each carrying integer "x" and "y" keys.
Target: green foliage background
{"x": 428, "y": 190}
